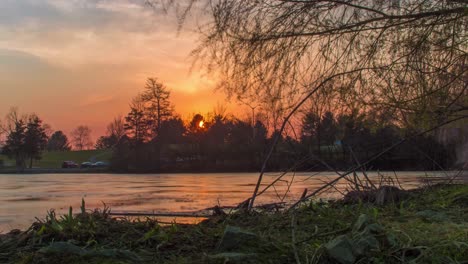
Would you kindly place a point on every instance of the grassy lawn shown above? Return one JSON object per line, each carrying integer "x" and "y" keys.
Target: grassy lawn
{"x": 54, "y": 159}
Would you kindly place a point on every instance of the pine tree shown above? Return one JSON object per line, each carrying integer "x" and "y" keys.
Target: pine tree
{"x": 35, "y": 139}
{"x": 15, "y": 144}
{"x": 156, "y": 97}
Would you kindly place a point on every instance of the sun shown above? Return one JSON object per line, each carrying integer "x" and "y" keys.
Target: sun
{"x": 201, "y": 124}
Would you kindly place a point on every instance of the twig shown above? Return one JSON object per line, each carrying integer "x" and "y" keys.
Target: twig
{"x": 363, "y": 170}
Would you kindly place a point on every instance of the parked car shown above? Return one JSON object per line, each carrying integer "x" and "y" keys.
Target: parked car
{"x": 100, "y": 164}
{"x": 69, "y": 164}
{"x": 87, "y": 164}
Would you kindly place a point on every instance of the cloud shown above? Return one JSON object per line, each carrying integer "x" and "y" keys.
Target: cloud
{"x": 96, "y": 99}
{"x": 76, "y": 32}
{"x": 92, "y": 54}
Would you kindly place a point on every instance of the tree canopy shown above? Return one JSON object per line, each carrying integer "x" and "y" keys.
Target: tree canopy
{"x": 408, "y": 55}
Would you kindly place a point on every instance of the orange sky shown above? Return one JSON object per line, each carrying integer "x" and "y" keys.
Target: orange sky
{"x": 78, "y": 62}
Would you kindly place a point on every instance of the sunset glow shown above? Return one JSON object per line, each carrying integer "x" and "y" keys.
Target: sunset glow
{"x": 81, "y": 62}
{"x": 201, "y": 124}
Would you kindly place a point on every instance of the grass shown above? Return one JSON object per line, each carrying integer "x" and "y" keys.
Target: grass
{"x": 54, "y": 159}
{"x": 431, "y": 226}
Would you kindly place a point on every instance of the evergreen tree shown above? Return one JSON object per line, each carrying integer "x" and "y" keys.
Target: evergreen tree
{"x": 35, "y": 139}
{"x": 15, "y": 144}
{"x": 156, "y": 97}
{"x": 136, "y": 122}
{"x": 58, "y": 142}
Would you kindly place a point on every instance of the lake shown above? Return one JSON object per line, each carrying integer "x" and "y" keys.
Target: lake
{"x": 24, "y": 197}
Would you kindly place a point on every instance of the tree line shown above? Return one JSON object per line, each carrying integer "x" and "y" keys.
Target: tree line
{"x": 153, "y": 138}
{"x": 25, "y": 137}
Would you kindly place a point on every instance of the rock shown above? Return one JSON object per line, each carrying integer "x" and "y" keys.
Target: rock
{"x": 381, "y": 196}
{"x": 353, "y": 197}
{"x": 235, "y": 239}
{"x": 341, "y": 250}
{"x": 389, "y": 194}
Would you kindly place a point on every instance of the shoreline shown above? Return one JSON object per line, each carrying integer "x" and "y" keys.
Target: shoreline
{"x": 464, "y": 173}
{"x": 55, "y": 171}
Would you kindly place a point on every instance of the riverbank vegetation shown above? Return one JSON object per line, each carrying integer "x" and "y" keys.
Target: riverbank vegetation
{"x": 424, "y": 226}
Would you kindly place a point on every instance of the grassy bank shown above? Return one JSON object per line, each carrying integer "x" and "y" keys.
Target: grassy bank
{"x": 54, "y": 159}
{"x": 428, "y": 226}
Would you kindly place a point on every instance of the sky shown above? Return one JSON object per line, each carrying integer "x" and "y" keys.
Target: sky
{"x": 79, "y": 62}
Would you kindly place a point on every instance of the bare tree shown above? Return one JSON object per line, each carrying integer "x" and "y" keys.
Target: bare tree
{"x": 2, "y": 132}
{"x": 116, "y": 127}
{"x": 81, "y": 138}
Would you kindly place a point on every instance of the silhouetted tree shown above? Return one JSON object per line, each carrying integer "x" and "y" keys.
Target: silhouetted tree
{"x": 106, "y": 142}
{"x": 14, "y": 146}
{"x": 116, "y": 128}
{"x": 137, "y": 123}
{"x": 156, "y": 97}
{"x": 35, "y": 139}
{"x": 58, "y": 142}
{"x": 81, "y": 137}
{"x": 196, "y": 127}
{"x": 311, "y": 131}
{"x": 328, "y": 129}
{"x": 172, "y": 131}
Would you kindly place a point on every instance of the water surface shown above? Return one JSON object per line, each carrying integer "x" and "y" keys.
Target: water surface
{"x": 24, "y": 197}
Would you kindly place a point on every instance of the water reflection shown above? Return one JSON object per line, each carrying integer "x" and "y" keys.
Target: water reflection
{"x": 24, "y": 197}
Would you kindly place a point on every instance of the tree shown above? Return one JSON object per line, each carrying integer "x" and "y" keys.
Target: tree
{"x": 26, "y": 138}
{"x": 398, "y": 52}
{"x": 106, "y": 142}
{"x": 14, "y": 146}
{"x": 116, "y": 128}
{"x": 58, "y": 142}
{"x": 2, "y": 133}
{"x": 35, "y": 139}
{"x": 172, "y": 131}
{"x": 328, "y": 128}
{"x": 156, "y": 96}
{"x": 81, "y": 137}
{"x": 115, "y": 131}
{"x": 137, "y": 124}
